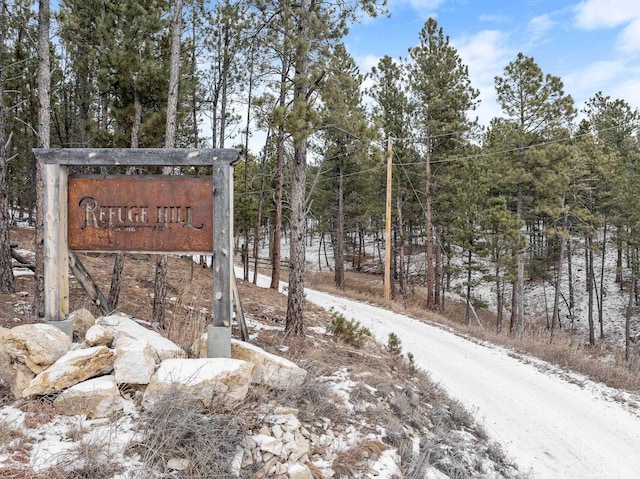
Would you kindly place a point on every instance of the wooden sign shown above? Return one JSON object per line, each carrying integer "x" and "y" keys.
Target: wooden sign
{"x": 159, "y": 214}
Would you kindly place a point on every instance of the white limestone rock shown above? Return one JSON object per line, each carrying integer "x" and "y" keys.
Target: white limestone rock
{"x": 82, "y": 321}
{"x": 207, "y": 384}
{"x": 134, "y": 363}
{"x": 37, "y": 345}
{"x": 299, "y": 471}
{"x": 13, "y": 373}
{"x": 121, "y": 326}
{"x": 95, "y": 398}
{"x": 98, "y": 335}
{"x": 270, "y": 370}
{"x": 71, "y": 369}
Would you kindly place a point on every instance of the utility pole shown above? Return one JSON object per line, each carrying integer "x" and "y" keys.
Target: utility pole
{"x": 387, "y": 251}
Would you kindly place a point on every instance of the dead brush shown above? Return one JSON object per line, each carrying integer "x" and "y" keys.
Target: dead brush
{"x": 206, "y": 443}
{"x": 27, "y": 472}
{"x": 15, "y": 443}
{"x": 353, "y": 461}
{"x": 189, "y": 319}
{"x": 90, "y": 458}
{"x": 37, "y": 411}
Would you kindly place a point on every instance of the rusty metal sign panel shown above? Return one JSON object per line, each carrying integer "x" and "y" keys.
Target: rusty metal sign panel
{"x": 164, "y": 214}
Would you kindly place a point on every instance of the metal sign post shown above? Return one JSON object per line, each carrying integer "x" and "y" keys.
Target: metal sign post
{"x": 147, "y": 214}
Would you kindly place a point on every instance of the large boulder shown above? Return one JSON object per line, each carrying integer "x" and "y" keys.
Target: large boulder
{"x": 82, "y": 320}
{"x": 97, "y": 397}
{"x": 71, "y": 369}
{"x": 123, "y": 326}
{"x": 270, "y": 369}
{"x": 13, "y": 373}
{"x": 37, "y": 345}
{"x": 98, "y": 335}
{"x": 205, "y": 384}
{"x": 134, "y": 362}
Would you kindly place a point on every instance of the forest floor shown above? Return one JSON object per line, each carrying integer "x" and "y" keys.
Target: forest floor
{"x": 189, "y": 291}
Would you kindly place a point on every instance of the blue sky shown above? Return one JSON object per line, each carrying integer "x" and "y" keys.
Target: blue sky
{"x": 592, "y": 45}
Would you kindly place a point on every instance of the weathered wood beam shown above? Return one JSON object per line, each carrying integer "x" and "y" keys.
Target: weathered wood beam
{"x": 88, "y": 283}
{"x": 137, "y": 156}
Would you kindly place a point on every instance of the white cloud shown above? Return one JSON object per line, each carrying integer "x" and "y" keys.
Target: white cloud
{"x": 613, "y": 14}
{"x": 495, "y": 18}
{"x": 592, "y": 14}
{"x": 629, "y": 39}
{"x": 367, "y": 62}
{"x": 584, "y": 83}
{"x": 486, "y": 54}
{"x": 538, "y": 27}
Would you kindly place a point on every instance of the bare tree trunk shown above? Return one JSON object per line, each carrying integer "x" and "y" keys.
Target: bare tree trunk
{"x": 160, "y": 284}
{"x": 438, "y": 288}
{"x": 278, "y": 184}
{"x": 629, "y": 312}
{"x": 514, "y": 306}
{"x": 119, "y": 260}
{"x": 44, "y": 131}
{"x": 555, "y": 318}
{"x": 429, "y": 227}
{"x": 601, "y": 292}
{"x": 619, "y": 262}
{"x": 588, "y": 270}
{"x": 339, "y": 249}
{"x": 468, "y": 302}
{"x": 499, "y": 299}
{"x": 295, "y": 298}
{"x": 518, "y": 295}
{"x": 256, "y": 240}
{"x": 7, "y": 281}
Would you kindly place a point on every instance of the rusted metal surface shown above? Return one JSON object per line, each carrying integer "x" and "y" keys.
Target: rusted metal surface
{"x": 163, "y": 214}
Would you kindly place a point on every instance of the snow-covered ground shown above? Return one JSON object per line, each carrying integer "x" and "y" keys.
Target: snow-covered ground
{"x": 553, "y": 427}
{"x": 538, "y": 296}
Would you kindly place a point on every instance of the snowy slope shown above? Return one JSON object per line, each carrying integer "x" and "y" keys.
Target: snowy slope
{"x": 546, "y": 424}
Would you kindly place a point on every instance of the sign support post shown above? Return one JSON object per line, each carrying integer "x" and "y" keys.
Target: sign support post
{"x": 56, "y": 257}
{"x": 122, "y": 223}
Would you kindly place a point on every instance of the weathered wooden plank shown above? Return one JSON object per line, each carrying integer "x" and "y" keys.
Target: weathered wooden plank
{"x": 56, "y": 262}
{"x": 137, "y": 156}
{"x": 223, "y": 241}
{"x": 242, "y": 324}
{"x": 88, "y": 283}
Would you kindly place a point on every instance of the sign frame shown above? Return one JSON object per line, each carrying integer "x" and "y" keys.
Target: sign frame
{"x": 54, "y": 165}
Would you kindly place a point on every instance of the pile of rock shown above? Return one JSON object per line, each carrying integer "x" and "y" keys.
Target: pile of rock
{"x": 39, "y": 359}
{"x": 87, "y": 377}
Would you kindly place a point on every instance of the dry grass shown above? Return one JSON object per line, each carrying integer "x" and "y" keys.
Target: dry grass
{"x": 173, "y": 430}
{"x": 350, "y": 463}
{"x": 37, "y": 411}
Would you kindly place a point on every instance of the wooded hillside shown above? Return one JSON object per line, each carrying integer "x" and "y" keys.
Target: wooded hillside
{"x": 498, "y": 204}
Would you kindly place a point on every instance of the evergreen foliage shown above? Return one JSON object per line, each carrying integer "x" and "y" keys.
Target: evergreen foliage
{"x": 502, "y": 206}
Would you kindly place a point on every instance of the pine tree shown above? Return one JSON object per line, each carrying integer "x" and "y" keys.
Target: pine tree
{"x": 318, "y": 24}
{"x": 345, "y": 134}
{"x": 538, "y": 107}
{"x": 443, "y": 96}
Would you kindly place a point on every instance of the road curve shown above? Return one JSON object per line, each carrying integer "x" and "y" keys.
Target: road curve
{"x": 548, "y": 426}
{"x": 553, "y": 428}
